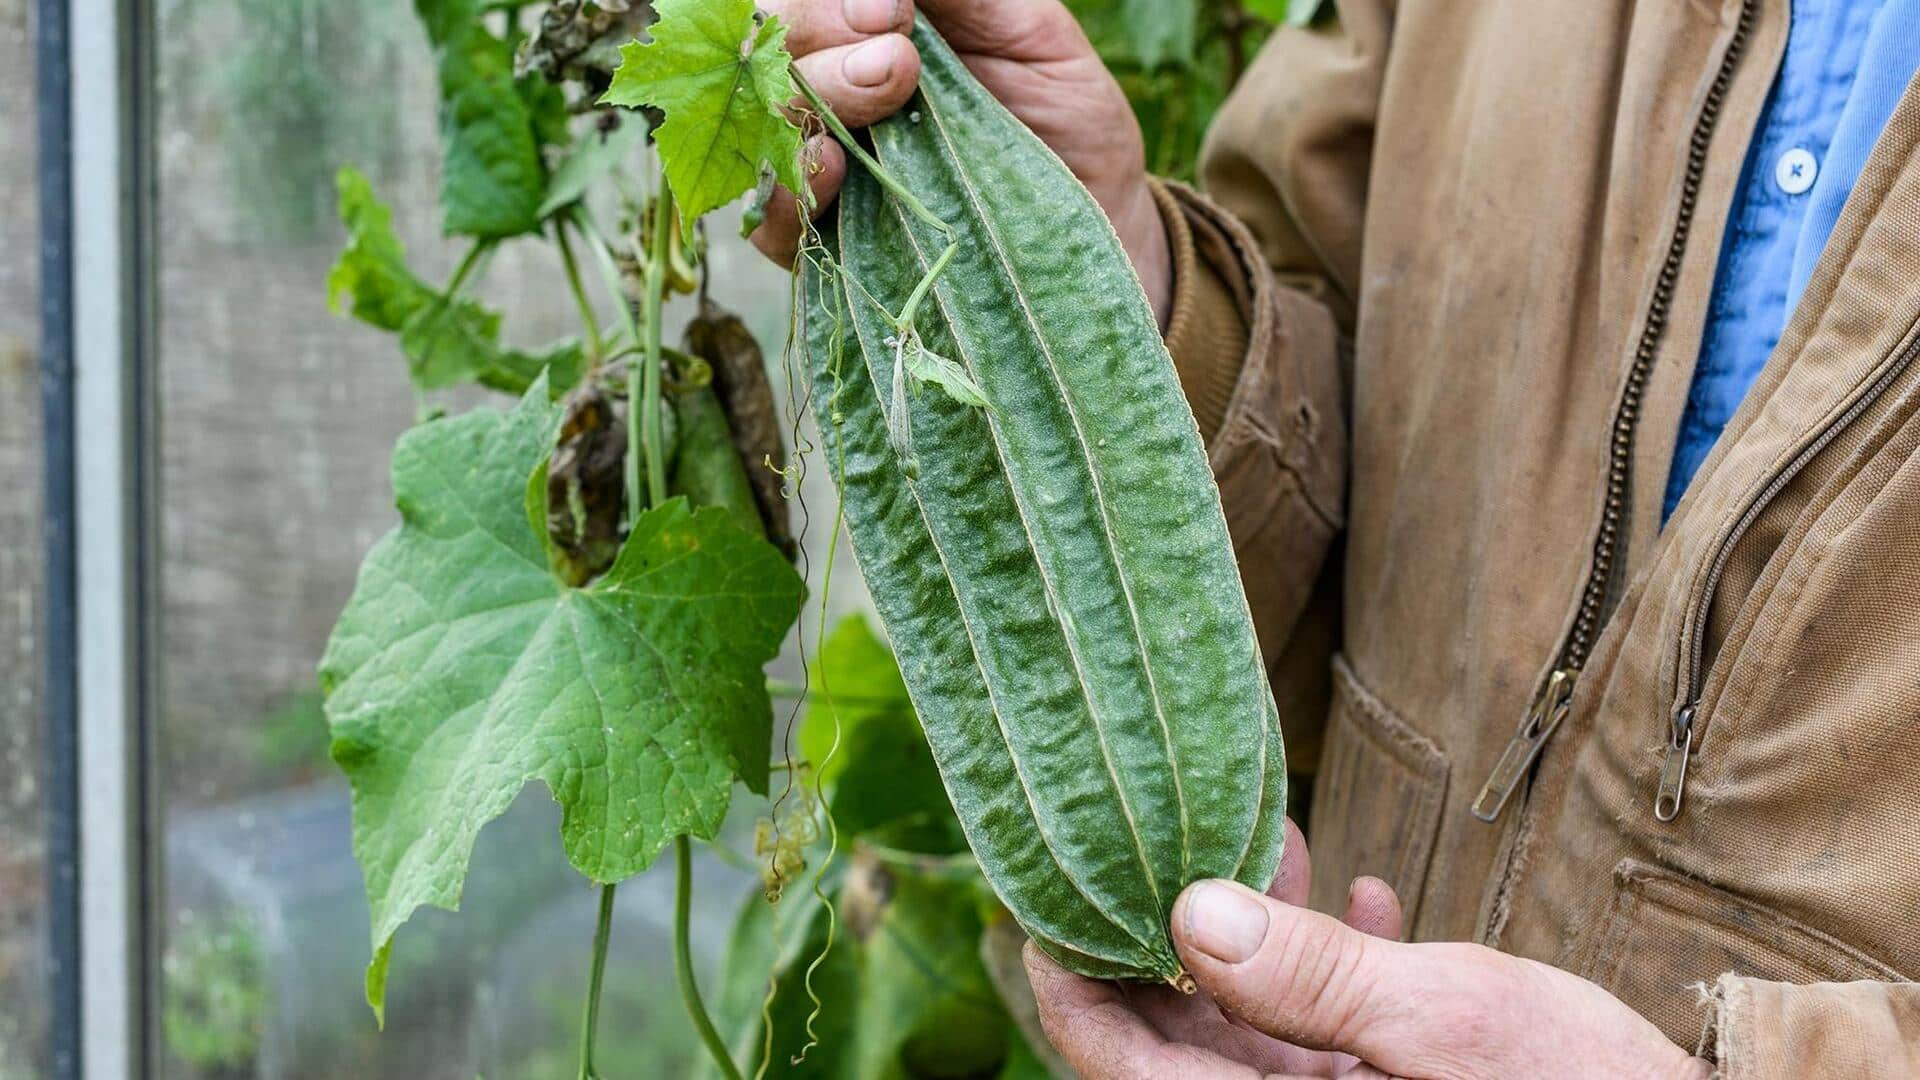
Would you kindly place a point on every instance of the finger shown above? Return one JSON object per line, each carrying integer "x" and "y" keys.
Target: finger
{"x": 1295, "y": 876}
{"x": 1194, "y": 1019}
{"x": 1372, "y": 908}
{"x": 1105, "y": 1038}
{"x": 865, "y": 82}
{"x": 1024, "y": 31}
{"x": 1294, "y": 974}
{"x": 824, "y": 162}
{"x": 1089, "y": 1022}
{"x": 813, "y": 25}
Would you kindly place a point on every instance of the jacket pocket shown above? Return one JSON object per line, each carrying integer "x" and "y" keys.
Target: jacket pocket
{"x": 1667, "y": 937}
{"x": 1377, "y": 799}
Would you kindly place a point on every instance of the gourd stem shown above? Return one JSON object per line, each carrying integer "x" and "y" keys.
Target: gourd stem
{"x": 683, "y": 959}
{"x": 879, "y": 171}
{"x": 919, "y": 293}
{"x": 588, "y": 322}
{"x": 596, "y": 974}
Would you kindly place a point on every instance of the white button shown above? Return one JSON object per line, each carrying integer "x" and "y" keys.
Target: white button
{"x": 1795, "y": 171}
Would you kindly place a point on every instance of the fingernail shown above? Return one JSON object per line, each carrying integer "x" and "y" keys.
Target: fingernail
{"x": 870, "y": 64}
{"x": 870, "y": 16}
{"x": 1224, "y": 922}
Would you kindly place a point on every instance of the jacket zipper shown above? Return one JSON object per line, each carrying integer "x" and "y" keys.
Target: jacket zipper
{"x": 1683, "y": 729}
{"x": 1551, "y": 702}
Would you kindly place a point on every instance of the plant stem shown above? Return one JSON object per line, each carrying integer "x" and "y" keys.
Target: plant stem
{"x": 588, "y": 322}
{"x": 647, "y": 401}
{"x": 904, "y": 321}
{"x": 683, "y": 959}
{"x": 466, "y": 268}
{"x": 920, "y": 290}
{"x": 647, "y": 432}
{"x": 602, "y": 930}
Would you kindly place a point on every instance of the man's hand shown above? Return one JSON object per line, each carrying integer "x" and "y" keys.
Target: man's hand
{"x": 1031, "y": 54}
{"x": 1286, "y": 992}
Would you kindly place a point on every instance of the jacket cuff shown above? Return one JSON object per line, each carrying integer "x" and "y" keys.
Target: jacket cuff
{"x": 1761, "y": 1030}
{"x": 1208, "y": 329}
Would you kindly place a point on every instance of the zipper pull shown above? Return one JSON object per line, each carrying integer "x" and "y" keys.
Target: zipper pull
{"x": 1673, "y": 768}
{"x": 1524, "y": 748}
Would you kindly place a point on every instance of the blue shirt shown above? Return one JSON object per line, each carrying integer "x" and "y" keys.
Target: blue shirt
{"x": 1846, "y": 65}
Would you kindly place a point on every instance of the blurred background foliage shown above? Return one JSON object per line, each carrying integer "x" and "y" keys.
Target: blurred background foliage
{"x": 1177, "y": 59}
{"x": 306, "y": 84}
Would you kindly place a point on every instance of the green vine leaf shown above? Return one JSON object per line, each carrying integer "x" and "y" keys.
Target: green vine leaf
{"x": 1162, "y": 30}
{"x": 928, "y": 366}
{"x": 492, "y": 180}
{"x": 462, "y": 669}
{"x": 447, "y": 342}
{"x": 370, "y": 279}
{"x": 882, "y": 781}
{"x": 722, "y": 76}
{"x": 904, "y": 991}
{"x": 513, "y": 371}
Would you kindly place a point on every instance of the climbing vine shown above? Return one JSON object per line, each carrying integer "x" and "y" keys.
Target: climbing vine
{"x": 586, "y": 584}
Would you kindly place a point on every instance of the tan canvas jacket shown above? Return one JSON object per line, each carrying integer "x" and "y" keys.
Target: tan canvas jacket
{"x": 1438, "y": 316}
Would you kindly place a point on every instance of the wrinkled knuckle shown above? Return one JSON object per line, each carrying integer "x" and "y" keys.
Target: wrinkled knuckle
{"x": 1315, "y": 971}
{"x": 1346, "y": 991}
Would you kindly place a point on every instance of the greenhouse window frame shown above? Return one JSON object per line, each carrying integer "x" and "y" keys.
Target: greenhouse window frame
{"x": 94, "y": 84}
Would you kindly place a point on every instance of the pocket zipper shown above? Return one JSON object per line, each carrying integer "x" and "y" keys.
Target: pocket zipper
{"x": 1683, "y": 728}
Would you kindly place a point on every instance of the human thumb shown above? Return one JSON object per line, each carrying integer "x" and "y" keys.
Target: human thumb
{"x": 1292, "y": 973}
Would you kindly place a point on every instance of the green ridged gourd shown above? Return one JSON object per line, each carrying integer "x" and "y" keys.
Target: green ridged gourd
{"x": 1053, "y": 571}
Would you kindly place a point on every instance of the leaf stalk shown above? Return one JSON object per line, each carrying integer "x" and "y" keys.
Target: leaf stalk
{"x": 603, "y": 929}
{"x": 683, "y": 959}
{"x": 589, "y": 324}
{"x": 647, "y": 434}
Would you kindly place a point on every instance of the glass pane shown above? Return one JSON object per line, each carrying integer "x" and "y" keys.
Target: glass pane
{"x": 23, "y": 977}
{"x": 276, "y": 418}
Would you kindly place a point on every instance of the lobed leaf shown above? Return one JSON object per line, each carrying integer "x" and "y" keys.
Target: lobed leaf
{"x": 370, "y": 279}
{"x": 722, "y": 76}
{"x": 463, "y": 668}
{"x": 447, "y": 341}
